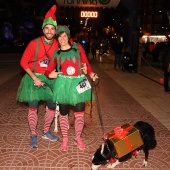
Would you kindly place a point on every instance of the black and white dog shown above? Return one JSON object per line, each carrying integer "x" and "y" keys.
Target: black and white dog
{"x": 106, "y": 152}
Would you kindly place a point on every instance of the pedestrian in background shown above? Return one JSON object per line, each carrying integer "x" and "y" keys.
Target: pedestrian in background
{"x": 149, "y": 56}
{"x": 71, "y": 87}
{"x": 93, "y": 49}
{"x": 118, "y": 53}
{"x": 87, "y": 47}
{"x": 32, "y": 88}
{"x": 140, "y": 54}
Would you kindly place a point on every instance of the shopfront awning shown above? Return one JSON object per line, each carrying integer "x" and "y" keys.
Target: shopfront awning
{"x": 88, "y": 3}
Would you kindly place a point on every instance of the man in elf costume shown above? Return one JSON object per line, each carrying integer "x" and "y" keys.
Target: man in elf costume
{"x": 71, "y": 87}
{"x": 35, "y": 86}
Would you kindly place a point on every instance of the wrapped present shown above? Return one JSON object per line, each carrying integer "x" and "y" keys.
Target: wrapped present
{"x": 125, "y": 139}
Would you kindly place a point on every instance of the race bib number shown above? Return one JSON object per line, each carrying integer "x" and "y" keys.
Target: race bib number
{"x": 83, "y": 86}
{"x": 44, "y": 63}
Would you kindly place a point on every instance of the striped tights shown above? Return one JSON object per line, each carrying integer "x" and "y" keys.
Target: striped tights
{"x": 33, "y": 119}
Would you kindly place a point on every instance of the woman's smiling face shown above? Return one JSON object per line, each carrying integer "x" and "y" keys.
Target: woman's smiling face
{"x": 63, "y": 39}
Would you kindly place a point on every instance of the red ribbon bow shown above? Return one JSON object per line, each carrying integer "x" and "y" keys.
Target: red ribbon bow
{"x": 120, "y": 133}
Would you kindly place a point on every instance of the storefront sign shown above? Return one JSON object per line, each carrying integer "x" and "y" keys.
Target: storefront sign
{"x": 88, "y": 3}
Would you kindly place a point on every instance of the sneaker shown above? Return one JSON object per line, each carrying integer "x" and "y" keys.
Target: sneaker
{"x": 80, "y": 144}
{"x": 48, "y": 135}
{"x": 33, "y": 143}
{"x": 64, "y": 145}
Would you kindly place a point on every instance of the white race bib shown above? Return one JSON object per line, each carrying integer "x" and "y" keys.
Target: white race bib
{"x": 44, "y": 63}
{"x": 83, "y": 86}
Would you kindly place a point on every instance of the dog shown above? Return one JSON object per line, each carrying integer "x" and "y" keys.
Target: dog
{"x": 106, "y": 152}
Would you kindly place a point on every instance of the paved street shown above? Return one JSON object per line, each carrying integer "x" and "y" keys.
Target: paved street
{"x": 123, "y": 96}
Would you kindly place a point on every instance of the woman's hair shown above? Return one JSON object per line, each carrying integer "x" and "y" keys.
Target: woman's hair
{"x": 69, "y": 41}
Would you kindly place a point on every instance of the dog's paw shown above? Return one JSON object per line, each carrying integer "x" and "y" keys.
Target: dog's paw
{"x": 112, "y": 165}
{"x": 145, "y": 163}
{"x": 95, "y": 167}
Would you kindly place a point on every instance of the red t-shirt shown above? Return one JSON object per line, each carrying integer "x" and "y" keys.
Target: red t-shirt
{"x": 41, "y": 62}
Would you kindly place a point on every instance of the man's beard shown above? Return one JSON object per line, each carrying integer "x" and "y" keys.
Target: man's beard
{"x": 49, "y": 38}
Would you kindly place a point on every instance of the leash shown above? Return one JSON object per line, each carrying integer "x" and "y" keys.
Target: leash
{"x": 98, "y": 104}
{"x": 91, "y": 96}
{"x": 45, "y": 84}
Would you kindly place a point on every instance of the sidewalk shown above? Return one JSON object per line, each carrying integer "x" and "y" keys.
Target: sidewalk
{"x": 146, "y": 87}
{"x": 9, "y": 66}
{"x": 124, "y": 97}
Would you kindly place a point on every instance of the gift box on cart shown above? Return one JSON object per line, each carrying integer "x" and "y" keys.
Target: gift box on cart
{"x": 125, "y": 139}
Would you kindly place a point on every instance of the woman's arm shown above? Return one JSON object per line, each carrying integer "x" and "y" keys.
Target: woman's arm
{"x": 84, "y": 59}
{"x": 86, "y": 67}
{"x": 51, "y": 71}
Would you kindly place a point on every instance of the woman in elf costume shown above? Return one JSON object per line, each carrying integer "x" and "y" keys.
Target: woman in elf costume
{"x": 71, "y": 86}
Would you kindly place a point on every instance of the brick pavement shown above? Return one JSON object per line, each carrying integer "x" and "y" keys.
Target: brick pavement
{"x": 118, "y": 106}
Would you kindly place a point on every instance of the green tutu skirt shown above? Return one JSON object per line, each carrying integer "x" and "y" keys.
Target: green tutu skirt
{"x": 27, "y": 92}
{"x": 65, "y": 91}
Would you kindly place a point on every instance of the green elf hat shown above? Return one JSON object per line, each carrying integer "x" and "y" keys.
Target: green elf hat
{"x": 62, "y": 28}
{"x": 50, "y": 17}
